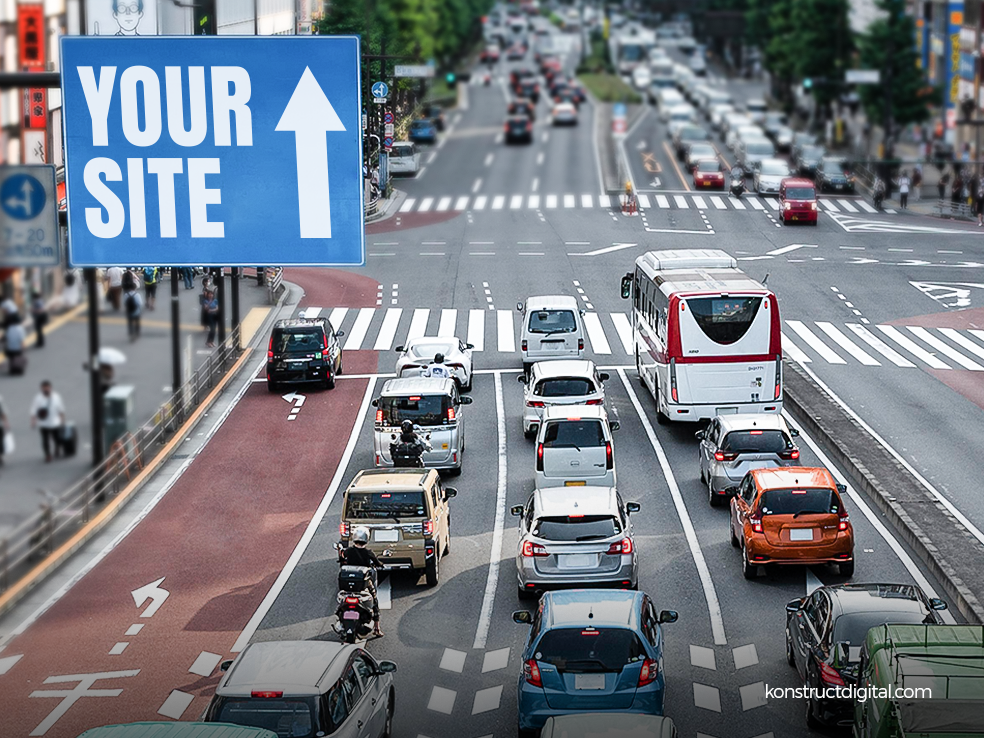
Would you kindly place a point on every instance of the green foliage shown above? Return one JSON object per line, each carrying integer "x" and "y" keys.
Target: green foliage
{"x": 609, "y": 88}
{"x": 596, "y": 62}
{"x": 888, "y": 46}
{"x": 781, "y": 47}
{"x": 822, "y": 45}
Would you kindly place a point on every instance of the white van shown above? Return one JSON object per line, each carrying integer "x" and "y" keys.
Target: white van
{"x": 552, "y": 329}
{"x": 404, "y": 158}
{"x": 574, "y": 447}
{"x": 666, "y": 98}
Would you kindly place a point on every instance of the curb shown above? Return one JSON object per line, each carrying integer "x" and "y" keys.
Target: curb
{"x": 391, "y": 206}
{"x": 817, "y": 413}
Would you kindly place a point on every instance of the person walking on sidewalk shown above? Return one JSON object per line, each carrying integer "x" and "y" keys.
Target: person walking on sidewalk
{"x": 114, "y": 286}
{"x": 39, "y": 314}
{"x": 4, "y": 430}
{"x": 956, "y": 192}
{"x": 979, "y": 202}
{"x": 904, "y": 183}
{"x": 917, "y": 180}
{"x": 14, "y": 337}
{"x": 134, "y": 308}
{"x": 188, "y": 275}
{"x": 210, "y": 306}
{"x": 48, "y": 414}
{"x": 151, "y": 275}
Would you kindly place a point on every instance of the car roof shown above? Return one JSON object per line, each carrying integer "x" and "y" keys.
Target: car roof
{"x": 368, "y": 480}
{"x": 563, "y": 501}
{"x": 294, "y": 667}
{"x": 752, "y": 421}
{"x": 412, "y": 385}
{"x": 549, "y": 302}
{"x": 452, "y": 340}
{"x": 786, "y": 477}
{"x": 774, "y": 160}
{"x": 797, "y": 182}
{"x": 875, "y": 597}
{"x": 595, "y": 607}
{"x": 564, "y": 368}
{"x": 564, "y": 412}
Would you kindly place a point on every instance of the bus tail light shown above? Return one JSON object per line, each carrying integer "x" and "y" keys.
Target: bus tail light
{"x": 778, "y": 378}
{"x": 673, "y": 383}
{"x": 539, "y": 457}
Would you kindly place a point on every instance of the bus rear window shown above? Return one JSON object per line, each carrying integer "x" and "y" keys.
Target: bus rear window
{"x": 725, "y": 320}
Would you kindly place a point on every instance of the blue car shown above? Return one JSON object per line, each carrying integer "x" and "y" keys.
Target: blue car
{"x": 591, "y": 650}
{"x": 423, "y": 131}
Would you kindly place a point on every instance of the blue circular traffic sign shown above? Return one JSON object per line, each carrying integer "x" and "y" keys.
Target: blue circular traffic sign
{"x": 380, "y": 89}
{"x": 22, "y": 197}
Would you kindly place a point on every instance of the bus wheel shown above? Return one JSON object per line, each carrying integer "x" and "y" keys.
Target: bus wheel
{"x": 660, "y": 416}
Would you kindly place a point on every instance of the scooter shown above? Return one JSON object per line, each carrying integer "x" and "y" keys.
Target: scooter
{"x": 406, "y": 454}
{"x": 487, "y": 80}
{"x": 737, "y": 187}
{"x": 354, "y": 611}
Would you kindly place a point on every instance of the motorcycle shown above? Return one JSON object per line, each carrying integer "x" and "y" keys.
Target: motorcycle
{"x": 410, "y": 454}
{"x": 738, "y": 187}
{"x": 353, "y": 613}
{"x": 487, "y": 80}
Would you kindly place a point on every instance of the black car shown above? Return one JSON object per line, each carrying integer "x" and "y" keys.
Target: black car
{"x": 565, "y": 93}
{"x": 808, "y": 159}
{"x": 518, "y": 75}
{"x": 687, "y": 135}
{"x": 825, "y": 631}
{"x": 519, "y": 129}
{"x": 303, "y": 350}
{"x": 833, "y": 175}
{"x": 522, "y": 107}
{"x": 436, "y": 114}
{"x": 528, "y": 88}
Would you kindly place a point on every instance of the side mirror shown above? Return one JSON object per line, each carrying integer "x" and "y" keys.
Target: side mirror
{"x": 450, "y": 492}
{"x": 842, "y": 488}
{"x": 614, "y": 425}
{"x": 465, "y": 400}
{"x": 700, "y": 435}
{"x": 516, "y": 510}
{"x": 386, "y": 667}
{"x": 519, "y": 306}
{"x": 794, "y": 433}
{"x": 731, "y": 491}
{"x": 469, "y": 346}
{"x": 580, "y": 312}
{"x": 225, "y": 665}
{"x": 521, "y": 379}
{"x": 668, "y": 616}
{"x": 522, "y": 617}
{"x": 604, "y": 376}
{"x": 794, "y": 606}
{"x": 339, "y": 334}
{"x": 935, "y": 603}
{"x": 374, "y": 403}
{"x": 632, "y": 507}
{"x": 843, "y": 652}
{"x": 399, "y": 349}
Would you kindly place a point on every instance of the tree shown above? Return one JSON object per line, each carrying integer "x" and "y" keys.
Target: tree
{"x": 781, "y": 49}
{"x": 823, "y": 46}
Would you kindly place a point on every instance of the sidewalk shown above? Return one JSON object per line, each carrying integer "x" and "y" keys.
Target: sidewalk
{"x": 25, "y": 478}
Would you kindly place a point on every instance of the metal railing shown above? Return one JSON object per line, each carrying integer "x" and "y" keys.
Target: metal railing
{"x": 62, "y": 516}
{"x": 274, "y": 281}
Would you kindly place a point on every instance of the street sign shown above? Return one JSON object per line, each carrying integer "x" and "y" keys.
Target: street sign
{"x": 185, "y": 150}
{"x": 862, "y": 77}
{"x": 28, "y": 216}
{"x": 379, "y": 100}
{"x": 387, "y": 118}
{"x": 388, "y": 142}
{"x": 413, "y": 70}
{"x": 388, "y": 130}
{"x": 380, "y": 89}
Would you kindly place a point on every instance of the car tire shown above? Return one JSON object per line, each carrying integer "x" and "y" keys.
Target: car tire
{"x": 846, "y": 569}
{"x": 447, "y": 547}
{"x": 330, "y": 380}
{"x": 432, "y": 570}
{"x": 272, "y": 386}
{"x": 790, "y": 656}
{"x": 811, "y": 715}
{"x": 748, "y": 570}
{"x": 388, "y": 725}
{"x": 338, "y": 369}
{"x": 712, "y": 499}
{"x": 520, "y": 733}
{"x": 703, "y": 479}
{"x": 471, "y": 380}
{"x": 529, "y": 434}
{"x": 735, "y": 543}
{"x": 454, "y": 471}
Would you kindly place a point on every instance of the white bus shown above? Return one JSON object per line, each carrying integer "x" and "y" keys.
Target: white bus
{"x": 707, "y": 336}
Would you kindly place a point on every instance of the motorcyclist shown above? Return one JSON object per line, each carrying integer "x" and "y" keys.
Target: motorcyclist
{"x": 737, "y": 176}
{"x": 437, "y": 368}
{"x": 357, "y": 554}
{"x": 409, "y": 445}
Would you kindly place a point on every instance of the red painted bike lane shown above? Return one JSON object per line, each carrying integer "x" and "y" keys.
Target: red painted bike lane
{"x": 141, "y": 635}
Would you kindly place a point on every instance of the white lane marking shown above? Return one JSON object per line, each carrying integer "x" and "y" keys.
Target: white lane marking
{"x": 295, "y": 557}
{"x": 480, "y": 202}
{"x": 7, "y": 663}
{"x": 586, "y": 201}
{"x": 448, "y": 320}
{"x": 487, "y": 699}
{"x": 384, "y": 593}
{"x": 477, "y": 186}
{"x": 963, "y": 341}
{"x": 787, "y": 249}
{"x": 644, "y": 203}
{"x": 535, "y": 185}
{"x": 569, "y": 201}
{"x": 795, "y": 352}
{"x": 425, "y": 204}
{"x": 812, "y": 582}
{"x": 118, "y": 648}
{"x": 707, "y": 697}
{"x": 495, "y": 660}
{"x": 757, "y": 204}
{"x": 489, "y": 158}
{"x": 945, "y": 349}
{"x": 846, "y": 204}
{"x": 718, "y": 202}
{"x": 476, "y": 329}
{"x": 551, "y": 202}
{"x": 546, "y": 136}
{"x": 534, "y": 202}
{"x": 391, "y": 321}
{"x": 539, "y": 159}
{"x": 420, "y": 174}
{"x": 700, "y": 202}
{"x": 431, "y": 156}
{"x": 336, "y": 317}
{"x": 745, "y": 655}
{"x": 498, "y": 201}
{"x": 737, "y": 204}
{"x": 847, "y": 344}
{"x": 136, "y": 627}
{"x": 710, "y": 594}
{"x": 662, "y": 201}
{"x": 917, "y": 351}
{"x": 311, "y": 313}
{"x": 815, "y": 343}
{"x": 418, "y": 324}
{"x": 752, "y": 696}
{"x": 702, "y": 657}
{"x": 443, "y": 204}
{"x": 604, "y": 201}
{"x": 176, "y": 704}
{"x": 866, "y": 207}
{"x": 504, "y": 331}
{"x": 359, "y": 329}
{"x": 879, "y": 345}
{"x": 624, "y": 330}
{"x": 205, "y": 664}
{"x": 596, "y": 334}
{"x": 461, "y": 203}
{"x": 453, "y": 660}
{"x": 407, "y": 205}
{"x": 830, "y": 205}
{"x": 681, "y": 202}
{"x": 495, "y": 555}
{"x": 875, "y": 519}
{"x": 515, "y": 203}
{"x": 442, "y": 700}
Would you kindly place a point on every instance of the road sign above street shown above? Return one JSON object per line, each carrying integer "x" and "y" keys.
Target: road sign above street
{"x": 380, "y": 89}
{"x": 413, "y": 70}
{"x": 862, "y": 77}
{"x": 213, "y": 151}
{"x": 28, "y": 216}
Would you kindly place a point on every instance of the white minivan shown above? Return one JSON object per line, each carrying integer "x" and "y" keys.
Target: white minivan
{"x": 574, "y": 447}
{"x": 404, "y": 158}
{"x": 552, "y": 329}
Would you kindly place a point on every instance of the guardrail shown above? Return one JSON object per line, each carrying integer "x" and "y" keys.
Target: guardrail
{"x": 61, "y": 516}
{"x": 274, "y": 280}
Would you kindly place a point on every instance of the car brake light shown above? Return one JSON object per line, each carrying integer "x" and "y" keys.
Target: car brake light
{"x": 529, "y": 126}
{"x": 427, "y": 527}
{"x": 649, "y": 672}
{"x": 622, "y": 547}
{"x": 531, "y": 672}
{"x": 531, "y": 549}
{"x": 595, "y": 402}
{"x": 790, "y": 454}
{"x": 534, "y": 403}
{"x": 756, "y": 524}
{"x": 270, "y": 349}
{"x": 379, "y": 416}
{"x": 351, "y": 600}
{"x": 609, "y": 456}
{"x": 267, "y": 695}
{"x": 580, "y": 344}
{"x": 843, "y": 519}
{"x": 523, "y": 345}
{"x": 450, "y": 414}
{"x": 539, "y": 457}
{"x": 755, "y": 433}
{"x": 830, "y": 675}
{"x": 326, "y": 342}
{"x": 722, "y": 456}
{"x": 506, "y": 128}
{"x": 343, "y": 530}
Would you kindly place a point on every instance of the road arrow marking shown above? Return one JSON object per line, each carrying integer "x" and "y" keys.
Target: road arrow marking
{"x": 863, "y": 260}
{"x": 914, "y": 263}
{"x": 310, "y": 116}
{"x": 152, "y": 591}
{"x": 656, "y": 182}
{"x": 791, "y": 247}
{"x": 295, "y": 398}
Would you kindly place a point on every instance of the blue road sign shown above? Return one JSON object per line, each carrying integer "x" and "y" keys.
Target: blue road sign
{"x": 29, "y": 234}
{"x": 380, "y": 89}
{"x": 213, "y": 151}
{"x": 22, "y": 197}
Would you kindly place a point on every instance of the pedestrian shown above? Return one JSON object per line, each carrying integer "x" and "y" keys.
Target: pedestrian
{"x": 917, "y": 178}
{"x": 114, "y": 286}
{"x": 188, "y": 275}
{"x": 979, "y": 202}
{"x": 210, "y": 306}
{"x": 207, "y": 286}
{"x": 10, "y": 312}
{"x": 70, "y": 294}
{"x": 48, "y": 414}
{"x": 134, "y": 308}
{"x": 13, "y": 345}
{"x": 904, "y": 183}
{"x": 39, "y": 314}
{"x": 956, "y": 192}
{"x": 129, "y": 281}
{"x": 151, "y": 276}
{"x": 4, "y": 430}
{"x": 941, "y": 187}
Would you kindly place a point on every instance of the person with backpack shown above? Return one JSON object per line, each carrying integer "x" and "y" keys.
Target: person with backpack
{"x": 133, "y": 303}
{"x": 48, "y": 414}
{"x": 39, "y": 314}
{"x": 151, "y": 275}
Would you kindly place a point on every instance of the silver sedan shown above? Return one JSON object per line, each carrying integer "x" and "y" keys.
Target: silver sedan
{"x": 419, "y": 352}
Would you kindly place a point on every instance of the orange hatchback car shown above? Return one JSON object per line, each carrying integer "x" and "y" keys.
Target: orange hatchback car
{"x": 791, "y": 515}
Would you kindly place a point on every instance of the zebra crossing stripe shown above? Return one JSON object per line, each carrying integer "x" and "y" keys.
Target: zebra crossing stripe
{"x": 945, "y": 349}
{"x": 516, "y": 202}
{"x": 391, "y": 321}
{"x": 569, "y": 201}
{"x": 662, "y": 201}
{"x": 846, "y": 204}
{"x": 462, "y": 203}
{"x": 829, "y": 205}
{"x": 336, "y": 317}
{"x": 480, "y": 202}
{"x": 847, "y": 344}
{"x": 359, "y": 329}
{"x": 418, "y": 324}
{"x": 815, "y": 343}
{"x": 963, "y": 341}
{"x": 866, "y": 207}
{"x": 700, "y": 203}
{"x": 681, "y": 202}
{"x": 644, "y": 202}
{"x": 604, "y": 201}
{"x": 718, "y": 202}
{"x": 476, "y": 329}
{"x": 757, "y": 204}
{"x": 773, "y": 203}
{"x": 407, "y": 205}
{"x": 920, "y": 353}
{"x": 504, "y": 331}
{"x": 311, "y": 313}
{"x": 794, "y": 351}
{"x": 551, "y": 202}
{"x": 534, "y": 202}
{"x": 425, "y": 204}
{"x": 976, "y": 333}
{"x": 624, "y": 330}
{"x": 880, "y": 346}
{"x": 737, "y": 204}
{"x": 449, "y": 318}
{"x": 596, "y": 334}
{"x": 498, "y": 201}
{"x": 586, "y": 201}
{"x": 443, "y": 204}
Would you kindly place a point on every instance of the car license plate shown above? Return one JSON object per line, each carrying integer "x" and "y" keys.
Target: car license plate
{"x": 389, "y": 536}
{"x": 589, "y": 681}
{"x": 726, "y": 410}
{"x": 795, "y": 217}
{"x": 350, "y": 615}
{"x": 575, "y": 483}
{"x": 801, "y": 534}
{"x": 576, "y": 561}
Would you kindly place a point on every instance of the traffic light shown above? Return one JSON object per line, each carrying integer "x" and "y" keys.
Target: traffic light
{"x": 807, "y": 83}
{"x": 450, "y": 78}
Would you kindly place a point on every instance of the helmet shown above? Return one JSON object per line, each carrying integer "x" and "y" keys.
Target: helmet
{"x": 439, "y": 358}
{"x": 360, "y": 535}
{"x": 406, "y": 426}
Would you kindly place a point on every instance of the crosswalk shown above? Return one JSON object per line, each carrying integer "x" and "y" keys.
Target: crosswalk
{"x": 610, "y": 335}
{"x": 585, "y": 201}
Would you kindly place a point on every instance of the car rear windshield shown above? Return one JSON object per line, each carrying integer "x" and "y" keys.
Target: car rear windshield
{"x": 693, "y": 133}
{"x": 552, "y": 321}
{"x": 853, "y": 627}
{"x": 724, "y": 319}
{"x": 565, "y": 387}
{"x": 421, "y": 409}
{"x": 588, "y": 650}
{"x": 755, "y": 442}
{"x": 298, "y": 341}
{"x": 577, "y": 529}
{"x": 402, "y": 152}
{"x": 430, "y": 350}
{"x": 385, "y": 505}
{"x": 708, "y": 165}
{"x": 287, "y": 718}
{"x": 801, "y": 193}
{"x": 812, "y": 152}
{"x": 792, "y": 501}
{"x": 759, "y": 149}
{"x": 573, "y": 433}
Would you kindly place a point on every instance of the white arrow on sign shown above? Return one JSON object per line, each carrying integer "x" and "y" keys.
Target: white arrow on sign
{"x": 295, "y": 398}
{"x": 310, "y": 116}
{"x": 152, "y": 591}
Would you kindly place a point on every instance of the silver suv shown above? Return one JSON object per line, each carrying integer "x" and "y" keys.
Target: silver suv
{"x": 552, "y": 383}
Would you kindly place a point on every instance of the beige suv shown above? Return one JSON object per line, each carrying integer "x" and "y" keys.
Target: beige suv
{"x": 407, "y": 514}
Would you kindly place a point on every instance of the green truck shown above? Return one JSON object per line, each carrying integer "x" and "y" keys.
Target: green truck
{"x": 921, "y": 681}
